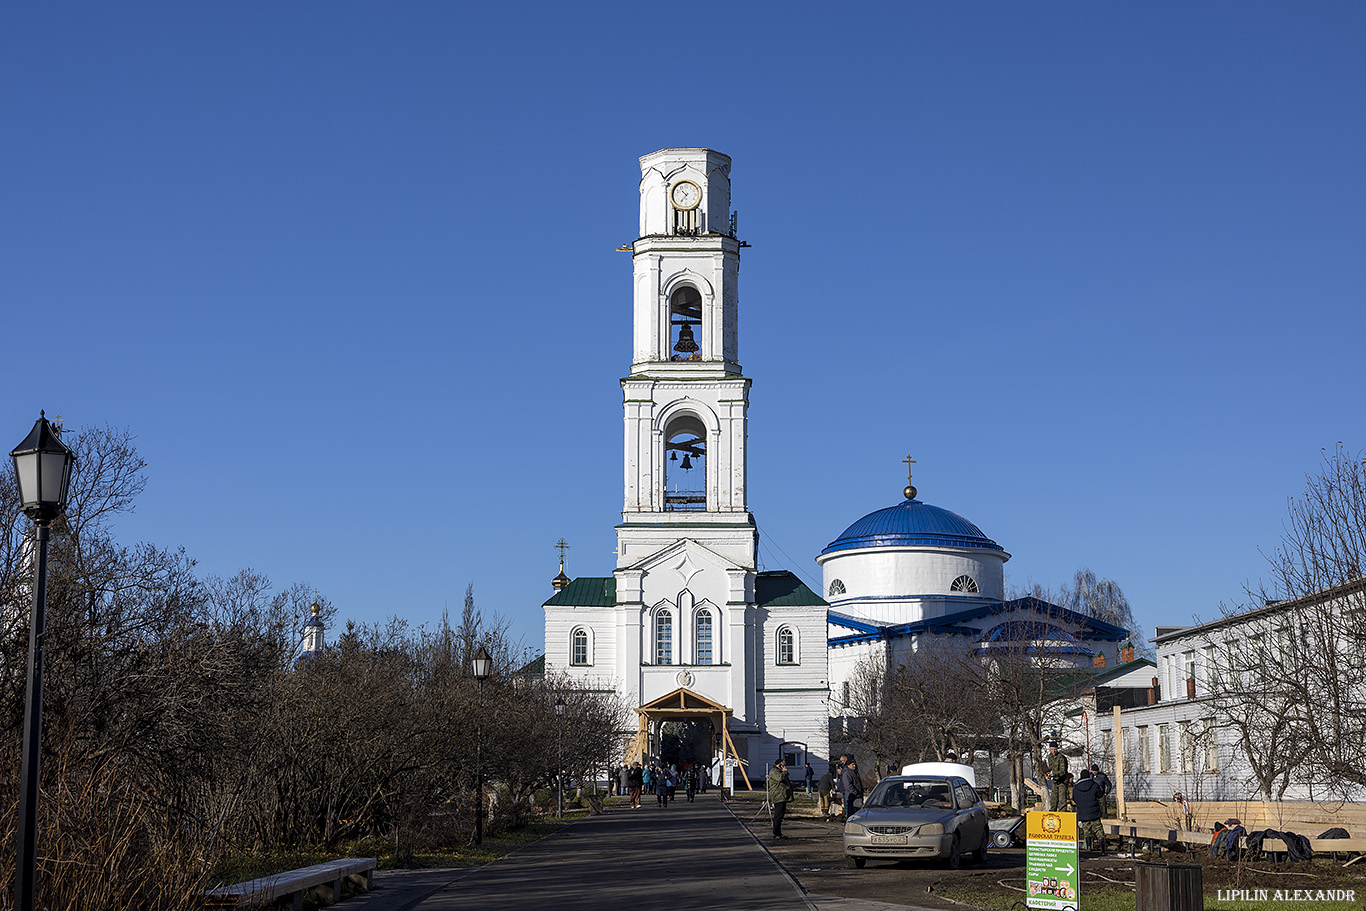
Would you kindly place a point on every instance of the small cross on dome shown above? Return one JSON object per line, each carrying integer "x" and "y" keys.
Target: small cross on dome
{"x": 910, "y": 491}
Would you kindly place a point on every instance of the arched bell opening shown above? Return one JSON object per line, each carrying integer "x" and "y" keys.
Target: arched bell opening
{"x": 685, "y": 465}
{"x": 685, "y": 324}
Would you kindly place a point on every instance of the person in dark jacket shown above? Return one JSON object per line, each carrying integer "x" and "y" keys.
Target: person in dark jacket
{"x": 851, "y": 786}
{"x": 1103, "y": 783}
{"x": 1086, "y": 795}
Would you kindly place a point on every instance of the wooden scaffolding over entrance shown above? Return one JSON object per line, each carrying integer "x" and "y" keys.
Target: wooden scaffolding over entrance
{"x": 684, "y": 705}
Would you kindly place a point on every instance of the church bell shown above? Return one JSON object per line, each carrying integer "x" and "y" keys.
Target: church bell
{"x": 686, "y": 343}
{"x": 687, "y": 462}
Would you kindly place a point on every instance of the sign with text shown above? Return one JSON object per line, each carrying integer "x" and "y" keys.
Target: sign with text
{"x": 1052, "y": 876}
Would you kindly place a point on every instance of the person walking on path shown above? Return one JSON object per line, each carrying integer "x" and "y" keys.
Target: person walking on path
{"x": 661, "y": 780}
{"x": 623, "y": 781}
{"x": 634, "y": 782}
{"x": 779, "y": 793}
{"x": 823, "y": 789}
{"x": 1057, "y": 773}
{"x": 851, "y": 787}
{"x": 809, "y": 775}
{"x": 690, "y": 782}
{"x": 1087, "y": 796}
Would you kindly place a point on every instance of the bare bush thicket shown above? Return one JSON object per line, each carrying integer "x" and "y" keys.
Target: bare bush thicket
{"x": 180, "y": 726}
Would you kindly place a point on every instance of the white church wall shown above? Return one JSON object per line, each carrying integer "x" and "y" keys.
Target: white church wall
{"x": 883, "y": 583}
{"x": 794, "y": 696}
{"x": 560, "y": 624}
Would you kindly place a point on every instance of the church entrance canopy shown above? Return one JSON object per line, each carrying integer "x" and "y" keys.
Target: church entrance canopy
{"x": 683, "y": 705}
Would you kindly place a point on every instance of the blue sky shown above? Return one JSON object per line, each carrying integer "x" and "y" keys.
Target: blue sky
{"x": 347, "y": 272}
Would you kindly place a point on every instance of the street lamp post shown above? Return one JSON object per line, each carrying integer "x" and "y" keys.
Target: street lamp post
{"x": 559, "y": 772}
{"x": 483, "y": 667}
{"x": 42, "y": 466}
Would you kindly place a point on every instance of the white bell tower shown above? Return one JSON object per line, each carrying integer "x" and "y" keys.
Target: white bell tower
{"x": 686, "y": 400}
{"x": 686, "y": 619}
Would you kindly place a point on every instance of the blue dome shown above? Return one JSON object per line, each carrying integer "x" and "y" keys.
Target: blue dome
{"x": 912, "y": 522}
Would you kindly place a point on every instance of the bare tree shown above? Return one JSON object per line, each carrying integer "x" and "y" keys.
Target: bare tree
{"x": 1100, "y": 599}
{"x": 931, "y": 704}
{"x": 1292, "y": 654}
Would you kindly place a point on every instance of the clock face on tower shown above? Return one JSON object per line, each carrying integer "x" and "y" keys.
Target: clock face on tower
{"x": 685, "y": 195}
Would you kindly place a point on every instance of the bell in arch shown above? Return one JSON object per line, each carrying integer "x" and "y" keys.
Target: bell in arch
{"x": 687, "y": 462}
{"x": 686, "y": 344}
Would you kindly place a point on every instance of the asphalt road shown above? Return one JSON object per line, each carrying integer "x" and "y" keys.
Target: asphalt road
{"x": 814, "y": 853}
{"x": 689, "y": 857}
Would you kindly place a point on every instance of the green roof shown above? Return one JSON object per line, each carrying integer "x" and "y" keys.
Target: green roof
{"x": 1075, "y": 680}
{"x": 586, "y": 591}
{"x": 781, "y": 588}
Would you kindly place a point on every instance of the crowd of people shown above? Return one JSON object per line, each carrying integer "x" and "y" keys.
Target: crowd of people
{"x": 663, "y": 780}
{"x": 839, "y": 792}
{"x": 1086, "y": 796}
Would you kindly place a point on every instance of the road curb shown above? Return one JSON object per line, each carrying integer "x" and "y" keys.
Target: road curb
{"x": 792, "y": 880}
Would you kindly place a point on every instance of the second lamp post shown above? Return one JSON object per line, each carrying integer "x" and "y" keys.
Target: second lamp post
{"x": 559, "y": 771}
{"x": 483, "y": 667}
{"x": 42, "y": 466}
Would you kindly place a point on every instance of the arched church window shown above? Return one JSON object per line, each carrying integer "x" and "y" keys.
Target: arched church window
{"x": 685, "y": 324}
{"x": 964, "y": 584}
{"x": 664, "y": 637}
{"x": 579, "y": 653}
{"x": 685, "y": 465}
{"x": 787, "y": 645}
{"x": 704, "y": 637}
{"x": 836, "y": 587}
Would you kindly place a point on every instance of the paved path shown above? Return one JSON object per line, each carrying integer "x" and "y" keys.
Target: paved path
{"x": 689, "y": 856}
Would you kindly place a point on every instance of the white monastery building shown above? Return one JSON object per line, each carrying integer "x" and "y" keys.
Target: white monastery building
{"x": 686, "y": 628}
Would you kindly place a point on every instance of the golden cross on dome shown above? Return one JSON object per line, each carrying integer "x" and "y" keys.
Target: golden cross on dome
{"x": 563, "y": 545}
{"x": 909, "y": 462}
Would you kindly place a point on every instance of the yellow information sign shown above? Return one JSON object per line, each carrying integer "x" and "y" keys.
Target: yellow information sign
{"x": 1052, "y": 877}
{"x": 1051, "y": 826}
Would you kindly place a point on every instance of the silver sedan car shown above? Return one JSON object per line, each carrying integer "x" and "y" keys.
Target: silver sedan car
{"x": 907, "y": 817}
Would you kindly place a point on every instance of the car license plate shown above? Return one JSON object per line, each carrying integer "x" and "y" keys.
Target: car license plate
{"x": 889, "y": 839}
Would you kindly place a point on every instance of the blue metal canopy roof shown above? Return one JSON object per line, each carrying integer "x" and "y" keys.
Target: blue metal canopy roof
{"x": 912, "y": 522}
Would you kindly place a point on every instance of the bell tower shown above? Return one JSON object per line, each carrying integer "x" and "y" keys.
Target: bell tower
{"x": 686, "y": 400}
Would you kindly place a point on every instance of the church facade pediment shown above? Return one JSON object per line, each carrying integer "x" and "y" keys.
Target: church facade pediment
{"x": 685, "y": 566}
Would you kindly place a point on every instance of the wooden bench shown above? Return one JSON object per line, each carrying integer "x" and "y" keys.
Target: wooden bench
{"x": 1273, "y": 845}
{"x": 294, "y": 883}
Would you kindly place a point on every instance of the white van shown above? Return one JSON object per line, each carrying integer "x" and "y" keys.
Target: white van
{"x": 941, "y": 768}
